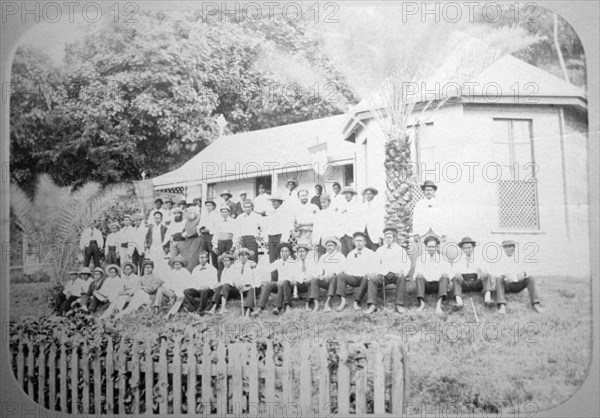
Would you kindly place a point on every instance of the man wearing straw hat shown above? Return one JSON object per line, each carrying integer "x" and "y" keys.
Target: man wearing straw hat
{"x": 432, "y": 274}
{"x": 428, "y": 214}
{"x": 146, "y": 294}
{"x": 329, "y": 267}
{"x": 394, "y": 266}
{"x": 131, "y": 283}
{"x": 350, "y": 219}
{"x": 203, "y": 285}
{"x": 469, "y": 274}
{"x": 308, "y": 268}
{"x": 226, "y": 196}
{"x": 373, "y": 216}
{"x": 250, "y": 277}
{"x": 249, "y": 225}
{"x": 177, "y": 280}
{"x": 277, "y": 226}
{"x": 513, "y": 278}
{"x": 225, "y": 234}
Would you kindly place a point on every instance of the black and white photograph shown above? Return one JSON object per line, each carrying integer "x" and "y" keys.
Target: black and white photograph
{"x": 307, "y": 209}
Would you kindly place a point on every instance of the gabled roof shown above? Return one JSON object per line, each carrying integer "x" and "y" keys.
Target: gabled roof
{"x": 252, "y": 153}
{"x": 508, "y": 80}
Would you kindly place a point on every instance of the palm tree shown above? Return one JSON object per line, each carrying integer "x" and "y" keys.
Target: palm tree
{"x": 54, "y": 218}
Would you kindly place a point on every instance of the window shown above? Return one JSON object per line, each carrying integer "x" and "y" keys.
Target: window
{"x": 210, "y": 191}
{"x": 422, "y": 145}
{"x": 348, "y": 175}
{"x": 265, "y": 181}
{"x": 517, "y": 187}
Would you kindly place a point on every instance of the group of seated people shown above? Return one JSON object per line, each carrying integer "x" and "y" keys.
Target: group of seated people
{"x": 301, "y": 270}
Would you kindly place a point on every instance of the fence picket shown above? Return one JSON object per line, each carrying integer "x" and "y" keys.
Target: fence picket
{"x": 52, "y": 378}
{"x": 97, "y": 381}
{"x": 191, "y": 376}
{"x": 361, "y": 389}
{"x": 42, "y": 375}
{"x": 343, "y": 398}
{"x": 287, "y": 375}
{"x": 221, "y": 380}
{"x": 30, "y": 372}
{"x": 20, "y": 361}
{"x": 269, "y": 369}
{"x": 253, "y": 381}
{"x": 122, "y": 361}
{"x": 75, "y": 379}
{"x": 378, "y": 383}
{"x": 235, "y": 364}
{"x": 149, "y": 378}
{"x": 305, "y": 378}
{"x": 134, "y": 381}
{"x": 207, "y": 390}
{"x": 110, "y": 399}
{"x": 85, "y": 396}
{"x": 177, "y": 375}
{"x": 163, "y": 379}
{"x": 397, "y": 381}
{"x": 63, "y": 377}
{"x": 324, "y": 396}
{"x": 406, "y": 371}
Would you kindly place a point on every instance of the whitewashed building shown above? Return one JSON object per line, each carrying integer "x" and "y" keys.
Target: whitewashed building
{"x": 509, "y": 156}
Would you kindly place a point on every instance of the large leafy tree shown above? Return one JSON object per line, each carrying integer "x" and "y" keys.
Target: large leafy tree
{"x": 146, "y": 97}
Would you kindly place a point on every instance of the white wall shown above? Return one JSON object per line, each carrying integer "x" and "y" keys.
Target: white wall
{"x": 463, "y": 137}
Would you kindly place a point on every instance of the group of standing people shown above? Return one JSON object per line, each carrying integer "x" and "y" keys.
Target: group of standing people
{"x": 200, "y": 258}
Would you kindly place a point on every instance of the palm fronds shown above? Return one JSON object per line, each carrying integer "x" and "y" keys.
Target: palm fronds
{"x": 53, "y": 220}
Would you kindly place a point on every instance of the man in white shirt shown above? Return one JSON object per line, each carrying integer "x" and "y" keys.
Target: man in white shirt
{"x": 277, "y": 226}
{"x": 329, "y": 266}
{"x": 127, "y": 237}
{"x": 153, "y": 243}
{"x": 308, "y": 268}
{"x": 373, "y": 216}
{"x": 249, "y": 227}
{"x": 157, "y": 208}
{"x": 168, "y": 212}
{"x": 202, "y": 287}
{"x": 224, "y": 235}
{"x": 469, "y": 275}
{"x": 91, "y": 243}
{"x": 337, "y": 199}
{"x": 230, "y": 283}
{"x": 74, "y": 288}
{"x": 350, "y": 219}
{"x": 287, "y": 269}
{"x": 394, "y": 267}
{"x": 428, "y": 214}
{"x": 291, "y": 195}
{"x": 432, "y": 274}
{"x": 262, "y": 203}
{"x": 326, "y": 224}
{"x": 304, "y": 216}
{"x": 512, "y": 278}
{"x": 176, "y": 282}
{"x": 360, "y": 266}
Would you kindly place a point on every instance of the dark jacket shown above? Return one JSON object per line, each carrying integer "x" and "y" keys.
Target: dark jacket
{"x": 163, "y": 231}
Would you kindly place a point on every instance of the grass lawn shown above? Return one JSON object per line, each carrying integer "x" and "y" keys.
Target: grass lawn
{"x": 522, "y": 359}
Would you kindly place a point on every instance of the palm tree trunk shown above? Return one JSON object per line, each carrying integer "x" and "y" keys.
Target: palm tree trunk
{"x": 399, "y": 182}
